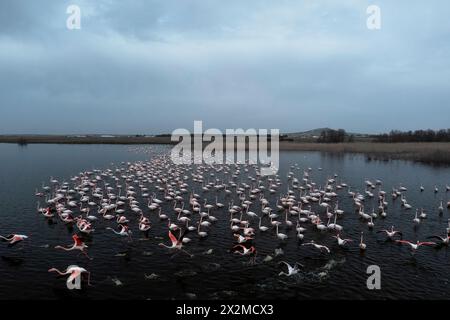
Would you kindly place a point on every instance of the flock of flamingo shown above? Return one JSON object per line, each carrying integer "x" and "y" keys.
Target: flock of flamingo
{"x": 175, "y": 196}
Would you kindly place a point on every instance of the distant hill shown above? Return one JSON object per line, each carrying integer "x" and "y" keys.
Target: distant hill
{"x": 314, "y": 133}
{"x": 307, "y": 134}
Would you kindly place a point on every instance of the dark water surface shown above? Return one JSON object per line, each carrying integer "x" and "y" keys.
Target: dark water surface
{"x": 222, "y": 274}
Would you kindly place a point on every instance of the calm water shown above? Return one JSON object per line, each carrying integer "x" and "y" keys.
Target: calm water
{"x": 222, "y": 274}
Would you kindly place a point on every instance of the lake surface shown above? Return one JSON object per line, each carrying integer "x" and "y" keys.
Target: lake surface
{"x": 221, "y": 274}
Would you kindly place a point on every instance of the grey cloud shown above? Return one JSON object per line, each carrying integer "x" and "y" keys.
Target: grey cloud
{"x": 153, "y": 66}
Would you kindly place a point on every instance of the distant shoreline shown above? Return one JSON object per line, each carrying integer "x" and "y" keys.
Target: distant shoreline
{"x": 88, "y": 139}
{"x": 437, "y": 153}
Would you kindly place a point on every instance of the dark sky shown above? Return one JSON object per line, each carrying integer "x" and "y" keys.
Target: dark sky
{"x": 153, "y": 66}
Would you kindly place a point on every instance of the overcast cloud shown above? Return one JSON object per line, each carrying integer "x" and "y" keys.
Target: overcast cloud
{"x": 152, "y": 66}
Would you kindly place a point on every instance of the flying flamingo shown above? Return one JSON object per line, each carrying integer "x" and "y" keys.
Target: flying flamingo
{"x": 342, "y": 242}
{"x": 13, "y": 238}
{"x": 124, "y": 231}
{"x": 77, "y": 245}
{"x": 415, "y": 246}
{"x": 241, "y": 239}
{"x": 177, "y": 244}
{"x": 317, "y": 246}
{"x": 391, "y": 233}
{"x": 291, "y": 270}
{"x": 444, "y": 240}
{"x": 245, "y": 251}
{"x": 74, "y": 271}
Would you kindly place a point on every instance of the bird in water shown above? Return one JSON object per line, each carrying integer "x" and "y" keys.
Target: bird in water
{"x": 13, "y": 239}
{"x": 291, "y": 271}
{"x": 222, "y": 202}
{"x": 362, "y": 245}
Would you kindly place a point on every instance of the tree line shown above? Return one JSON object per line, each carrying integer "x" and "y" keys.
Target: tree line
{"x": 429, "y": 135}
{"x": 334, "y": 136}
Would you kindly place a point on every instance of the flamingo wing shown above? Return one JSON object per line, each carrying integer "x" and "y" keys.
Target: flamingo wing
{"x": 288, "y": 266}
{"x": 16, "y": 238}
{"x": 75, "y": 274}
{"x": 427, "y": 243}
{"x": 77, "y": 240}
{"x": 403, "y": 241}
{"x": 436, "y": 237}
{"x": 173, "y": 239}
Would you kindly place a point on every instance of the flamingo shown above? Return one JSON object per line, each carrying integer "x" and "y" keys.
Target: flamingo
{"x": 416, "y": 219}
{"x": 124, "y": 231}
{"x": 299, "y": 228}
{"x": 106, "y": 215}
{"x": 291, "y": 270}
{"x": 441, "y": 208}
{"x": 415, "y": 246}
{"x": 444, "y": 240}
{"x": 251, "y": 213}
{"x": 48, "y": 213}
{"x": 78, "y": 244}
{"x": 391, "y": 233}
{"x": 218, "y": 204}
{"x": 121, "y": 219}
{"x": 201, "y": 234}
{"x": 317, "y": 246}
{"x": 241, "y": 239}
{"x": 245, "y": 251}
{"x": 280, "y": 235}
{"x": 370, "y": 223}
{"x": 172, "y": 226}
{"x": 334, "y": 225}
{"x": 262, "y": 228}
{"x": 14, "y": 238}
{"x": 288, "y": 222}
{"x": 342, "y": 242}
{"x": 362, "y": 245}
{"x": 422, "y": 215}
{"x": 162, "y": 216}
{"x": 177, "y": 244}
{"x": 74, "y": 271}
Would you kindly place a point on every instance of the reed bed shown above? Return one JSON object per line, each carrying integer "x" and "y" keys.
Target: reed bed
{"x": 427, "y": 152}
